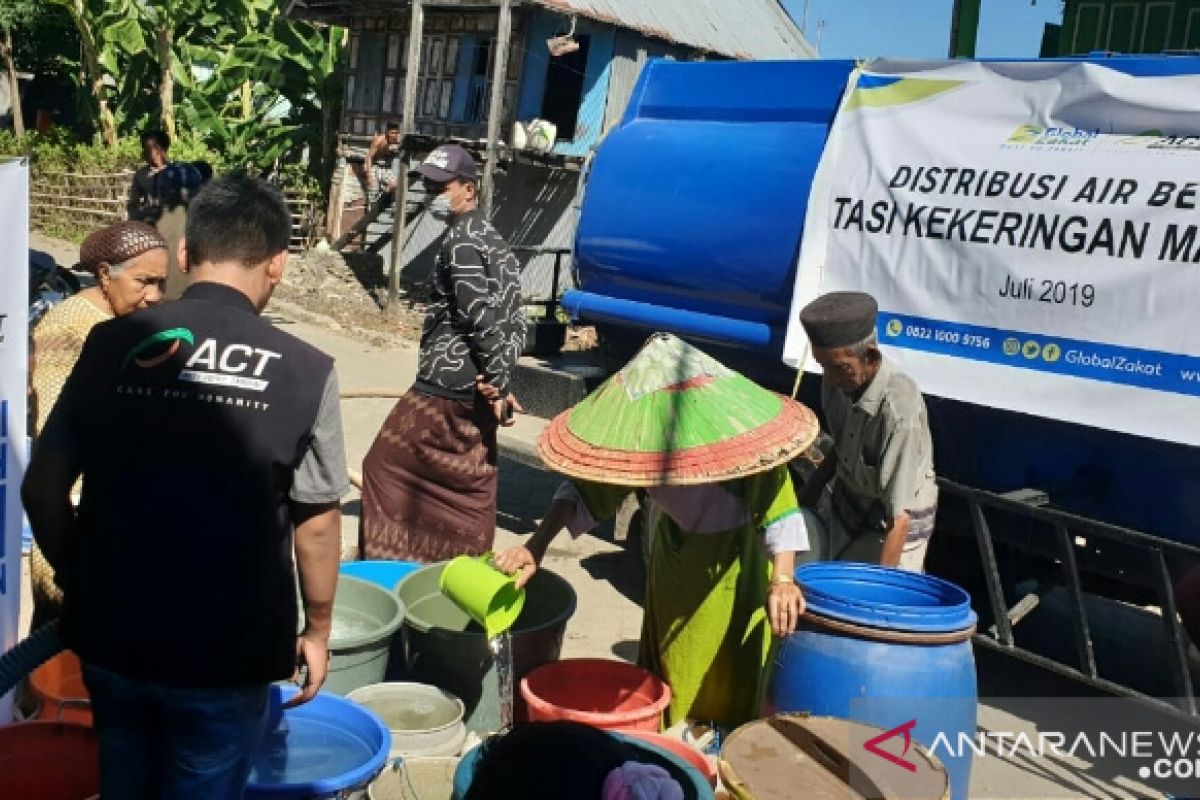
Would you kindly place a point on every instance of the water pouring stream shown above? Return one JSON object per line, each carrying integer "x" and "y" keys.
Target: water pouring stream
{"x": 502, "y": 660}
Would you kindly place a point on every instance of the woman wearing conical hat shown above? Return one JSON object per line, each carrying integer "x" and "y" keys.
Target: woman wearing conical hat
{"x": 710, "y": 448}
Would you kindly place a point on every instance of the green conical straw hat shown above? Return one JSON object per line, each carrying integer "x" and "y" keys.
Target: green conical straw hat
{"x": 675, "y": 416}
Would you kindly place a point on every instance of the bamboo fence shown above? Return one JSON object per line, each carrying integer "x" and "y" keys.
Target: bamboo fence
{"x": 72, "y": 200}
{"x": 306, "y": 219}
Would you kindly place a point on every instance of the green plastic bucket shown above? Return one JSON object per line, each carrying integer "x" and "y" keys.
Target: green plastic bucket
{"x": 443, "y": 646}
{"x": 365, "y": 619}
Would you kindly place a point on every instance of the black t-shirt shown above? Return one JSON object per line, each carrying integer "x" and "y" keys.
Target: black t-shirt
{"x": 145, "y": 199}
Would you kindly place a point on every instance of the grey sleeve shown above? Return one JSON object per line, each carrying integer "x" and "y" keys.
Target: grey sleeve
{"x": 321, "y": 476}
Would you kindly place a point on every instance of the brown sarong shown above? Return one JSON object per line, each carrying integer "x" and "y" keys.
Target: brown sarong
{"x": 429, "y": 481}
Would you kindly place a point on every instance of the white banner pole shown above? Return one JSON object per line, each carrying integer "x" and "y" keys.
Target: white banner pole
{"x": 14, "y": 365}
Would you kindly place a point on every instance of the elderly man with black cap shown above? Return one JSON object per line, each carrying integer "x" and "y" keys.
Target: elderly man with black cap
{"x": 429, "y": 479}
{"x": 881, "y": 503}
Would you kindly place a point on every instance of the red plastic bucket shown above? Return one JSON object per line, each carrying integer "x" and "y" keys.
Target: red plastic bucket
{"x": 680, "y": 748}
{"x": 604, "y": 694}
{"x": 49, "y": 761}
{"x": 58, "y": 684}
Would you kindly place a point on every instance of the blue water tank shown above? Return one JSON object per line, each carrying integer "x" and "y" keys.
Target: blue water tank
{"x": 695, "y": 204}
{"x": 887, "y": 648}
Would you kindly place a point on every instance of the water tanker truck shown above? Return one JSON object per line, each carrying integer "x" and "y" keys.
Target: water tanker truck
{"x": 1029, "y": 229}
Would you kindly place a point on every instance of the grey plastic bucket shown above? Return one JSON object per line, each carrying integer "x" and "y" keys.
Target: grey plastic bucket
{"x": 425, "y": 721}
{"x": 365, "y": 619}
{"x": 444, "y": 647}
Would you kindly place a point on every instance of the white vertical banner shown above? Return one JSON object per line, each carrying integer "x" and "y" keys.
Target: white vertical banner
{"x": 14, "y": 365}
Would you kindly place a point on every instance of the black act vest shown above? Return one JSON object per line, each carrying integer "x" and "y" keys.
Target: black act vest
{"x": 189, "y": 420}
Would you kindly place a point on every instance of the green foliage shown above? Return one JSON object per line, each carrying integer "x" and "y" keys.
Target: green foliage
{"x": 298, "y": 177}
{"x": 268, "y": 93}
{"x": 251, "y": 89}
{"x": 58, "y": 152}
{"x": 248, "y": 84}
{"x": 10, "y": 145}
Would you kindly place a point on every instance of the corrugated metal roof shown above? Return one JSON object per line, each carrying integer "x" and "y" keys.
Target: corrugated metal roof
{"x": 751, "y": 29}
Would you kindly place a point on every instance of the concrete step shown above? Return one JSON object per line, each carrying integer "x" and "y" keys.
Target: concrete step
{"x": 548, "y": 386}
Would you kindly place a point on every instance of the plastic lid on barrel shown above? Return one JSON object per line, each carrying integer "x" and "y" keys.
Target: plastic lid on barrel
{"x": 886, "y": 598}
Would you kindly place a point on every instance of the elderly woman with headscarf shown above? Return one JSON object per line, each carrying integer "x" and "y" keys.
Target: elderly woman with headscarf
{"x": 129, "y": 262}
{"x": 710, "y": 448}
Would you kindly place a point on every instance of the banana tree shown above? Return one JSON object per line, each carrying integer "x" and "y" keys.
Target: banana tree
{"x": 130, "y": 49}
{"x": 13, "y": 14}
{"x": 270, "y": 95}
{"x": 178, "y": 28}
{"x": 100, "y": 34}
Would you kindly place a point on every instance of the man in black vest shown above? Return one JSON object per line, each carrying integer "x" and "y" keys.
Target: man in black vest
{"x": 210, "y": 445}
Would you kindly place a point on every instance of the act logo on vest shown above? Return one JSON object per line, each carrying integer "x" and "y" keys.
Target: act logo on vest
{"x": 211, "y": 363}
{"x": 237, "y": 365}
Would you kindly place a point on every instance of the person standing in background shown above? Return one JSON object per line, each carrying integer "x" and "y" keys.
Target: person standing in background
{"x": 145, "y": 198}
{"x": 429, "y": 479}
{"x": 381, "y": 160}
{"x": 178, "y": 183}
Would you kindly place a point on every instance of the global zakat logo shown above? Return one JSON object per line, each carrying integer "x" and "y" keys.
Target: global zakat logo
{"x": 158, "y": 348}
{"x": 905, "y": 730}
{"x": 1059, "y": 137}
{"x": 234, "y": 365}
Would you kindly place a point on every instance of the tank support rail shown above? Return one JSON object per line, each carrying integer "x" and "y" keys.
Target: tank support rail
{"x": 1068, "y": 528}
{"x": 558, "y": 252}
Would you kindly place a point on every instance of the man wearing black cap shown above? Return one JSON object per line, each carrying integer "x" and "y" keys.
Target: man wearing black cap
{"x": 881, "y": 504}
{"x": 429, "y": 479}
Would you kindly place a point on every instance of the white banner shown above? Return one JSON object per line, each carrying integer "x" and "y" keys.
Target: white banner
{"x": 14, "y": 364}
{"x": 1031, "y": 232}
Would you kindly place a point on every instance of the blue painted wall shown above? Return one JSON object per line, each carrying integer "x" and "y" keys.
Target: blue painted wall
{"x": 537, "y": 63}
{"x": 462, "y": 78}
{"x": 590, "y": 122}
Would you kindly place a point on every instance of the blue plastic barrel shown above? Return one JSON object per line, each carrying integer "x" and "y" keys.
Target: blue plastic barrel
{"x": 695, "y": 786}
{"x": 387, "y": 574}
{"x": 884, "y": 647}
{"x": 325, "y": 748}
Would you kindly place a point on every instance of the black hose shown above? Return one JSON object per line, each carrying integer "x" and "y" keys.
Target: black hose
{"x": 36, "y": 649}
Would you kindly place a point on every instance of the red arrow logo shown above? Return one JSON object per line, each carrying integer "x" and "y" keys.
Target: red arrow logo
{"x": 905, "y": 730}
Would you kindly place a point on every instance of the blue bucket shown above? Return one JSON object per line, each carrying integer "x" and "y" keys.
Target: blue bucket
{"x": 321, "y": 749}
{"x": 883, "y": 647}
{"x": 387, "y": 574}
{"x": 695, "y": 785}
